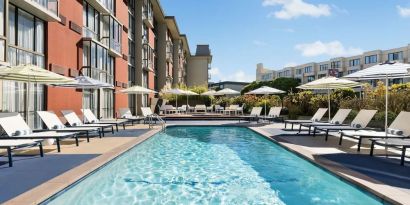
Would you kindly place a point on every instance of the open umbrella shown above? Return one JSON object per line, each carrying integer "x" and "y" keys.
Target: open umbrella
{"x": 175, "y": 91}
{"x": 385, "y": 71}
{"x": 32, "y": 74}
{"x": 137, "y": 90}
{"x": 329, "y": 83}
{"x": 189, "y": 93}
{"x": 265, "y": 90}
{"x": 209, "y": 93}
{"x": 227, "y": 91}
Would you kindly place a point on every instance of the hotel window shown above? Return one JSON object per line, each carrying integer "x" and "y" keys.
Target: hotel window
{"x": 107, "y": 105}
{"x": 97, "y": 63}
{"x": 395, "y": 56}
{"x": 308, "y": 69}
{"x": 370, "y": 59}
{"x": 354, "y": 62}
{"x": 91, "y": 22}
{"x": 298, "y": 71}
{"x": 352, "y": 71}
{"x": 2, "y": 31}
{"x": 311, "y": 78}
{"x": 336, "y": 64}
{"x": 323, "y": 67}
{"x": 26, "y": 46}
{"x": 111, "y": 33}
{"x": 321, "y": 76}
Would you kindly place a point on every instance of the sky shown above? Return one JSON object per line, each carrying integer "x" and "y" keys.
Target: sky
{"x": 279, "y": 33}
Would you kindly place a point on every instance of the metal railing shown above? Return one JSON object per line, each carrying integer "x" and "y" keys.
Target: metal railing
{"x": 50, "y": 5}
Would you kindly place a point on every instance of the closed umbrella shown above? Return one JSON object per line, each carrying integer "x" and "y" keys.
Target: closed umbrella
{"x": 32, "y": 74}
{"x": 137, "y": 90}
{"x": 329, "y": 83}
{"x": 265, "y": 90}
{"x": 385, "y": 71}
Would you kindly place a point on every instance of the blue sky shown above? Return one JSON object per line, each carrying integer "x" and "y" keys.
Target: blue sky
{"x": 242, "y": 33}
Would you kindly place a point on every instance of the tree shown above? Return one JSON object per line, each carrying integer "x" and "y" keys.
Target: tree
{"x": 285, "y": 84}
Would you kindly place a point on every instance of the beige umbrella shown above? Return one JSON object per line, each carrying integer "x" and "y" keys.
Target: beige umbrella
{"x": 137, "y": 90}
{"x": 265, "y": 90}
{"x": 32, "y": 74}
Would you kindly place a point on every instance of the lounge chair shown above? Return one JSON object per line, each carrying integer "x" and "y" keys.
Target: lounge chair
{"x": 219, "y": 109}
{"x": 254, "y": 116}
{"x": 200, "y": 108}
{"x": 183, "y": 109}
{"x": 149, "y": 115}
{"x": 337, "y": 120}
{"x": 168, "y": 109}
{"x": 231, "y": 108}
{"x": 91, "y": 118}
{"x": 274, "y": 114}
{"x": 17, "y": 129}
{"x": 360, "y": 122}
{"x": 125, "y": 113}
{"x": 74, "y": 121}
{"x": 316, "y": 118}
{"x": 402, "y": 144}
{"x": 239, "y": 110}
{"x": 11, "y": 145}
{"x": 398, "y": 129}
{"x": 210, "y": 108}
{"x": 54, "y": 123}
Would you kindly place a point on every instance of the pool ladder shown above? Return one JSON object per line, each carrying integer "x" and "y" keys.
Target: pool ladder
{"x": 152, "y": 121}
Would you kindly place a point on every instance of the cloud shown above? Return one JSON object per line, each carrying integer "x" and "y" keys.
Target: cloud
{"x": 214, "y": 71}
{"x": 238, "y": 75}
{"x": 295, "y": 8}
{"x": 290, "y": 64}
{"x": 333, "y": 48}
{"x": 403, "y": 12}
{"x": 259, "y": 43}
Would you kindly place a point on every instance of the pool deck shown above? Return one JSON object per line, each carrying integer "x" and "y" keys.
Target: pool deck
{"x": 34, "y": 179}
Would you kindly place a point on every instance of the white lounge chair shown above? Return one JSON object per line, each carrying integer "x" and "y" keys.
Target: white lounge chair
{"x": 254, "y": 116}
{"x": 231, "y": 109}
{"x": 398, "y": 129}
{"x": 274, "y": 114}
{"x": 125, "y": 113}
{"x": 17, "y": 129}
{"x": 91, "y": 118}
{"x": 219, "y": 109}
{"x": 11, "y": 145}
{"x": 199, "y": 108}
{"x": 54, "y": 123}
{"x": 337, "y": 120}
{"x": 239, "y": 110}
{"x": 149, "y": 115}
{"x": 360, "y": 122}
{"x": 316, "y": 118}
{"x": 74, "y": 121}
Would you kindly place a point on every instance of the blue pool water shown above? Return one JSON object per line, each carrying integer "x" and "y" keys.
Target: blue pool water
{"x": 211, "y": 165}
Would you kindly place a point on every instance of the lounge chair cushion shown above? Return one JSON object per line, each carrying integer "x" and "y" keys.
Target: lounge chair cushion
{"x": 335, "y": 122}
{"x": 394, "y": 131}
{"x": 58, "y": 127}
{"x": 21, "y": 132}
{"x": 356, "y": 125}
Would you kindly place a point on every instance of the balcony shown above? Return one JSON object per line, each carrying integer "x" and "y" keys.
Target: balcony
{"x": 148, "y": 19}
{"x": 170, "y": 51}
{"x": 103, "y": 6}
{"x": 147, "y": 57}
{"x": 111, "y": 34}
{"x": 44, "y": 9}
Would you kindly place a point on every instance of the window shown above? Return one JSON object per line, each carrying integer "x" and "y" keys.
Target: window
{"x": 352, "y": 71}
{"x": 395, "y": 56}
{"x": 323, "y": 67}
{"x": 111, "y": 33}
{"x": 336, "y": 64}
{"x": 308, "y": 69}
{"x": 97, "y": 63}
{"x": 287, "y": 73}
{"x": 26, "y": 46}
{"x": 298, "y": 71}
{"x": 107, "y": 105}
{"x": 354, "y": 62}
{"x": 321, "y": 76}
{"x": 91, "y": 22}
{"x": 370, "y": 59}
{"x": 311, "y": 78}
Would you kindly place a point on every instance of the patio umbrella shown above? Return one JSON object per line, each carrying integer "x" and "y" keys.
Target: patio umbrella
{"x": 227, "y": 91}
{"x": 137, "y": 90}
{"x": 85, "y": 82}
{"x": 265, "y": 90}
{"x": 176, "y": 92}
{"x": 32, "y": 74}
{"x": 209, "y": 93}
{"x": 329, "y": 83}
{"x": 189, "y": 93}
{"x": 386, "y": 71}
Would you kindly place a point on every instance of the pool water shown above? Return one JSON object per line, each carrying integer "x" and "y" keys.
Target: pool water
{"x": 211, "y": 165}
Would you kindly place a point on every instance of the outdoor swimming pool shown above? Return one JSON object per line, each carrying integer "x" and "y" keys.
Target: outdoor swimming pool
{"x": 211, "y": 165}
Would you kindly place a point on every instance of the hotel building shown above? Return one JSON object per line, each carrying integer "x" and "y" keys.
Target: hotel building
{"x": 120, "y": 42}
{"x": 339, "y": 66}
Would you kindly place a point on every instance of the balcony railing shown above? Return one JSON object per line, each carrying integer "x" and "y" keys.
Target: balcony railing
{"x": 47, "y": 10}
{"x": 98, "y": 74}
{"x": 87, "y": 32}
{"x": 50, "y": 5}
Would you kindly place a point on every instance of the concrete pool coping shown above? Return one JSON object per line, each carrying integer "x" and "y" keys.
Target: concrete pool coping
{"x": 57, "y": 184}
{"x": 60, "y": 183}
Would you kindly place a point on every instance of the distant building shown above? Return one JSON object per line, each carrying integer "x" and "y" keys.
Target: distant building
{"x": 238, "y": 86}
{"x": 199, "y": 66}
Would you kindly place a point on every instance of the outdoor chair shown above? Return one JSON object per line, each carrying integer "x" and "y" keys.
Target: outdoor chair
{"x": 11, "y": 145}
{"x": 274, "y": 114}
{"x": 231, "y": 109}
{"x": 183, "y": 109}
{"x": 337, "y": 120}
{"x": 254, "y": 116}
{"x": 149, "y": 115}
{"x": 316, "y": 118}
{"x": 74, "y": 121}
{"x": 201, "y": 108}
{"x": 210, "y": 108}
{"x": 239, "y": 110}
{"x": 17, "y": 129}
{"x": 219, "y": 109}
{"x": 54, "y": 123}
{"x": 125, "y": 113}
{"x": 360, "y": 122}
{"x": 399, "y": 129}
{"x": 91, "y": 118}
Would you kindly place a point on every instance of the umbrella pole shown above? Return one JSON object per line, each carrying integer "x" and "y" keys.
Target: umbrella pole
{"x": 387, "y": 105}
{"x": 28, "y": 102}
{"x": 328, "y": 96}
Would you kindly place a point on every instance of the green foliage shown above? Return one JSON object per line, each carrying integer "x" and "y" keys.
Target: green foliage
{"x": 285, "y": 84}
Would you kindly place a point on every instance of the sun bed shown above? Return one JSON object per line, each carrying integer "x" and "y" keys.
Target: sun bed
{"x": 360, "y": 122}
{"x": 316, "y": 118}
{"x": 200, "y": 108}
{"x": 74, "y": 121}
{"x": 91, "y": 118}
{"x": 337, "y": 120}
{"x": 125, "y": 113}
{"x": 53, "y": 123}
{"x": 17, "y": 129}
{"x": 168, "y": 109}
{"x": 149, "y": 115}
{"x": 11, "y": 145}
{"x": 274, "y": 114}
{"x": 254, "y": 116}
{"x": 398, "y": 129}
{"x": 402, "y": 144}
